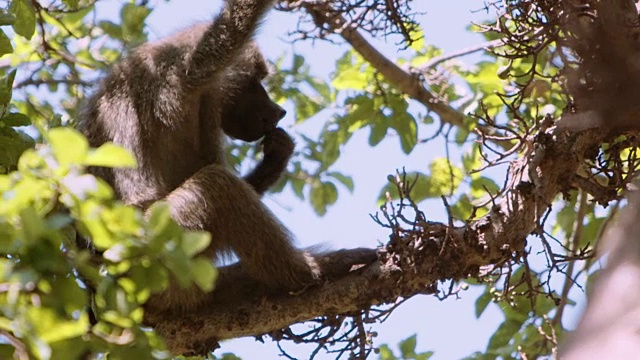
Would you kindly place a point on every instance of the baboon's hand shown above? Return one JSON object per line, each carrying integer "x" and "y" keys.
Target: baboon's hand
{"x": 278, "y": 146}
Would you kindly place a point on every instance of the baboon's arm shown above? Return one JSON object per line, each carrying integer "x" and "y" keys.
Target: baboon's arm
{"x": 230, "y": 31}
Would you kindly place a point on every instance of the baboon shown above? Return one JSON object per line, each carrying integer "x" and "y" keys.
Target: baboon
{"x": 170, "y": 102}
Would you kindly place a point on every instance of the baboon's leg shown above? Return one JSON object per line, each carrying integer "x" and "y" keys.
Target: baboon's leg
{"x": 218, "y": 201}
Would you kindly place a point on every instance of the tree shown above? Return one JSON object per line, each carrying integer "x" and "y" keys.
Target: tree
{"x": 552, "y": 97}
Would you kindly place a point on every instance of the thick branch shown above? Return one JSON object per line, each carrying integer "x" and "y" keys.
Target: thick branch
{"x": 437, "y": 252}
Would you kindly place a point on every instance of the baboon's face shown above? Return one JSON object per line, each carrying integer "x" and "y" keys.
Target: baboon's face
{"x": 249, "y": 114}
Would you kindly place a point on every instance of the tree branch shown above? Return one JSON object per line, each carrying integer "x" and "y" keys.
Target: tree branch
{"x": 409, "y": 265}
{"x": 433, "y": 62}
{"x": 410, "y": 84}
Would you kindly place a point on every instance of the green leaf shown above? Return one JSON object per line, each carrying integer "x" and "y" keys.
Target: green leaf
{"x": 25, "y": 14}
{"x": 419, "y": 182}
{"x": 228, "y": 356}
{"x": 5, "y": 323}
{"x": 163, "y": 227}
{"x": 482, "y": 186}
{"x": 122, "y": 219}
{"x": 463, "y": 208}
{"x": 482, "y": 302}
{"x": 424, "y": 355}
{"x": 5, "y": 44}
{"x": 195, "y": 242}
{"x": 503, "y": 71}
{"x": 347, "y": 181}
{"x": 472, "y": 160}
{"x": 566, "y": 217}
{"x": 378, "y": 131}
{"x": 322, "y": 88}
{"x": 486, "y": 77}
{"x": 111, "y": 155}
{"x": 73, "y": 20}
{"x": 298, "y": 186}
{"x": 306, "y": 107}
{"x": 15, "y": 119}
{"x": 133, "y": 17}
{"x": 112, "y": 29}
{"x": 153, "y": 276}
{"x": 591, "y": 230}
{"x": 6, "y": 18}
{"x": 322, "y": 196}
{"x": 361, "y": 111}
{"x": 504, "y": 334}
{"x": 386, "y": 353}
{"x": 408, "y": 347}
{"x": 445, "y": 177}
{"x": 73, "y": 348}
{"x": 68, "y": 293}
{"x": 298, "y": 62}
{"x": 12, "y": 146}
{"x": 52, "y": 328}
{"x": 6, "y": 351}
{"x": 351, "y": 79}
{"x": 6, "y": 88}
{"x": 32, "y": 225}
{"x": 69, "y": 146}
{"x": 331, "y": 147}
{"x": 204, "y": 274}
{"x": 407, "y": 128}
{"x": 352, "y": 72}
{"x": 418, "y": 35}
{"x": 94, "y": 227}
{"x": 73, "y": 4}
{"x": 461, "y": 135}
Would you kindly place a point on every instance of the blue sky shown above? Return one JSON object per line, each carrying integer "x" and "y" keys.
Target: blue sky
{"x": 449, "y": 327}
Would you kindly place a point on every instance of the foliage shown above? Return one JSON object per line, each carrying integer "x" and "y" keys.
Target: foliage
{"x": 46, "y": 278}
{"x": 407, "y": 349}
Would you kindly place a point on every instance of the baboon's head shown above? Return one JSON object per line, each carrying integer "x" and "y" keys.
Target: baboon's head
{"x": 248, "y": 113}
